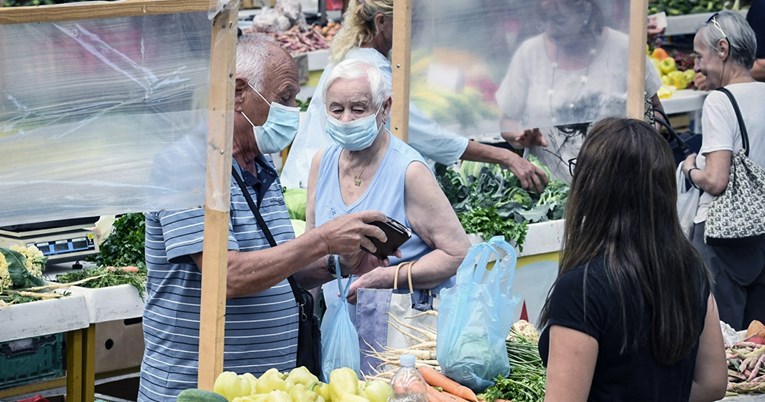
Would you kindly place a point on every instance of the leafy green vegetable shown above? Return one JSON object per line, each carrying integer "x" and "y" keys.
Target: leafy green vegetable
{"x": 490, "y": 200}
{"x": 109, "y": 277}
{"x": 20, "y": 276}
{"x": 526, "y": 382}
{"x": 296, "y": 199}
{"x": 125, "y": 245}
{"x": 488, "y": 223}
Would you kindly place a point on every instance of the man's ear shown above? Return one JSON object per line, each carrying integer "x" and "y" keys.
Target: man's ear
{"x": 240, "y": 86}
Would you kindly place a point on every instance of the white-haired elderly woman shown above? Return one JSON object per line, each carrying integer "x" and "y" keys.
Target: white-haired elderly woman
{"x": 725, "y": 52}
{"x": 369, "y": 169}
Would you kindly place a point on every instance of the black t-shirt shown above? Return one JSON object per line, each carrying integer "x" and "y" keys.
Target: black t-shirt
{"x": 756, "y": 18}
{"x": 632, "y": 376}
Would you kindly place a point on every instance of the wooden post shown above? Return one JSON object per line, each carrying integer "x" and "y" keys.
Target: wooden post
{"x": 220, "y": 128}
{"x": 636, "y": 59}
{"x": 89, "y": 11}
{"x": 402, "y": 45}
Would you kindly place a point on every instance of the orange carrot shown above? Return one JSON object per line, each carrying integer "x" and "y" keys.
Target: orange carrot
{"x": 452, "y": 398}
{"x": 434, "y": 395}
{"x": 436, "y": 379}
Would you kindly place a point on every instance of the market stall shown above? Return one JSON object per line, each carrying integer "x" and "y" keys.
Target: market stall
{"x": 111, "y": 118}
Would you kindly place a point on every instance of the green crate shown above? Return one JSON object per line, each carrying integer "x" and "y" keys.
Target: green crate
{"x": 27, "y": 360}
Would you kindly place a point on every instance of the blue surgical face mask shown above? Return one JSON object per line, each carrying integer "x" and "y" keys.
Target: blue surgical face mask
{"x": 354, "y": 135}
{"x": 280, "y": 127}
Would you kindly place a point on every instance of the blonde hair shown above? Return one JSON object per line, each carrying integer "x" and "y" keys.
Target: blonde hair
{"x": 358, "y": 25}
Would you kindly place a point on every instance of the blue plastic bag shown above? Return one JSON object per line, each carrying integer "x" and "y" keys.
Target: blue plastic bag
{"x": 339, "y": 339}
{"x": 475, "y": 316}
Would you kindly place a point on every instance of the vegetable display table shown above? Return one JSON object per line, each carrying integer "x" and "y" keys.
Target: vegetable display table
{"x": 67, "y": 314}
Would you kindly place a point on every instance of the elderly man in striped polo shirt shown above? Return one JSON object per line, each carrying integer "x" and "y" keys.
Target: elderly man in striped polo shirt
{"x": 261, "y": 312}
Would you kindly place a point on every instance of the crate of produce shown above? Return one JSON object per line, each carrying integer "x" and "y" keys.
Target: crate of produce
{"x": 31, "y": 359}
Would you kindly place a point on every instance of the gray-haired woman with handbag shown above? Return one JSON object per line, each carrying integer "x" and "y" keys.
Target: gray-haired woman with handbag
{"x": 724, "y": 52}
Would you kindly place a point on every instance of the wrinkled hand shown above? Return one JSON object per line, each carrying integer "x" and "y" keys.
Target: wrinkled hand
{"x": 530, "y": 175}
{"x": 700, "y": 82}
{"x": 373, "y": 279}
{"x": 361, "y": 262}
{"x": 346, "y": 234}
{"x": 526, "y": 138}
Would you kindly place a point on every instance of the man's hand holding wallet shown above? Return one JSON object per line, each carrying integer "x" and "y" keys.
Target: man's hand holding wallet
{"x": 396, "y": 233}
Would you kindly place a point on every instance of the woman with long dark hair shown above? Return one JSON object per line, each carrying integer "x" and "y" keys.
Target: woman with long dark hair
{"x": 630, "y": 317}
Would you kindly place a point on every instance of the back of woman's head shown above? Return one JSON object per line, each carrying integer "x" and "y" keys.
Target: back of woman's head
{"x": 733, "y": 27}
{"x": 624, "y": 180}
{"x": 358, "y": 25}
{"x": 622, "y": 207}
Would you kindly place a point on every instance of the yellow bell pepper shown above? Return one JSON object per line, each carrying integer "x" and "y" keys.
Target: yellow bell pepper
{"x": 377, "y": 391}
{"x": 301, "y": 375}
{"x": 322, "y": 389}
{"x": 250, "y": 379}
{"x": 352, "y": 398}
{"x": 230, "y": 385}
{"x": 342, "y": 381}
{"x": 279, "y": 396}
{"x": 271, "y": 380}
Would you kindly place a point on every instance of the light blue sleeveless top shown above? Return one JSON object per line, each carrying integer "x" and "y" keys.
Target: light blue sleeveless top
{"x": 385, "y": 193}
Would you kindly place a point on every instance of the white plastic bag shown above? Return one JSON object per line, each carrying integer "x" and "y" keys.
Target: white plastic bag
{"x": 687, "y": 202}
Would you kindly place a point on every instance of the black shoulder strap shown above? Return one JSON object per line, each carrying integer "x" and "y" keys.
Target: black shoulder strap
{"x": 741, "y": 125}
{"x": 265, "y": 229}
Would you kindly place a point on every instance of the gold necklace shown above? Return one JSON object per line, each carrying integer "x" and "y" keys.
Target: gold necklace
{"x": 357, "y": 177}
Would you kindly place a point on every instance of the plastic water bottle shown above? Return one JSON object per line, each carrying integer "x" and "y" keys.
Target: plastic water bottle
{"x": 407, "y": 383}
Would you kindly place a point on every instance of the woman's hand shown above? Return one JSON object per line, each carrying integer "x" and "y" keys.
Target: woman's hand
{"x": 361, "y": 262}
{"x": 526, "y": 138}
{"x": 377, "y": 278}
{"x": 688, "y": 164}
{"x": 531, "y": 176}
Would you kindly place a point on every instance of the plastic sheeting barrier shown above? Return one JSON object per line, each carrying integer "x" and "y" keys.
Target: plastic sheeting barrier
{"x": 103, "y": 116}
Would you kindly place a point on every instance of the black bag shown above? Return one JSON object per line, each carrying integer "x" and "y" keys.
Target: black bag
{"x": 682, "y": 144}
{"x": 309, "y": 333}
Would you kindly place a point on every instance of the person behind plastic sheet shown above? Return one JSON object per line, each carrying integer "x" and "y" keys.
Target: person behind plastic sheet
{"x": 261, "y": 312}
{"x": 369, "y": 168}
{"x": 574, "y": 72}
{"x": 367, "y": 34}
{"x": 725, "y": 51}
{"x": 630, "y": 316}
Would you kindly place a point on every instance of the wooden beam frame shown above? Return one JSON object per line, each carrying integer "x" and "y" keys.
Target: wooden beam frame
{"x": 401, "y": 57}
{"x": 219, "y": 151}
{"x": 217, "y": 198}
{"x": 636, "y": 59}
{"x": 95, "y": 10}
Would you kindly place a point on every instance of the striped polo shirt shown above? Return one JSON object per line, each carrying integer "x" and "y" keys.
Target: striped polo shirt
{"x": 261, "y": 329}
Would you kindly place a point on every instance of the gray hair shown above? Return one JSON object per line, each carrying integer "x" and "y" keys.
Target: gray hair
{"x": 743, "y": 43}
{"x": 252, "y": 57}
{"x": 354, "y": 68}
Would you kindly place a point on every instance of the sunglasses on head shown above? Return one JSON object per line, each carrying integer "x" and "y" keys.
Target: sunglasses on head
{"x": 713, "y": 20}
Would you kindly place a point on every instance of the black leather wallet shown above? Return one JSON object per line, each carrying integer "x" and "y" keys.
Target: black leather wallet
{"x": 397, "y": 234}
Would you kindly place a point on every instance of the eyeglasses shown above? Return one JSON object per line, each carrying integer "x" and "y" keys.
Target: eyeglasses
{"x": 713, "y": 20}
{"x": 571, "y": 166}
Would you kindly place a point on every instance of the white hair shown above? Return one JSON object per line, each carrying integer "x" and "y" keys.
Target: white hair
{"x": 354, "y": 68}
{"x": 252, "y": 57}
{"x": 738, "y": 32}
